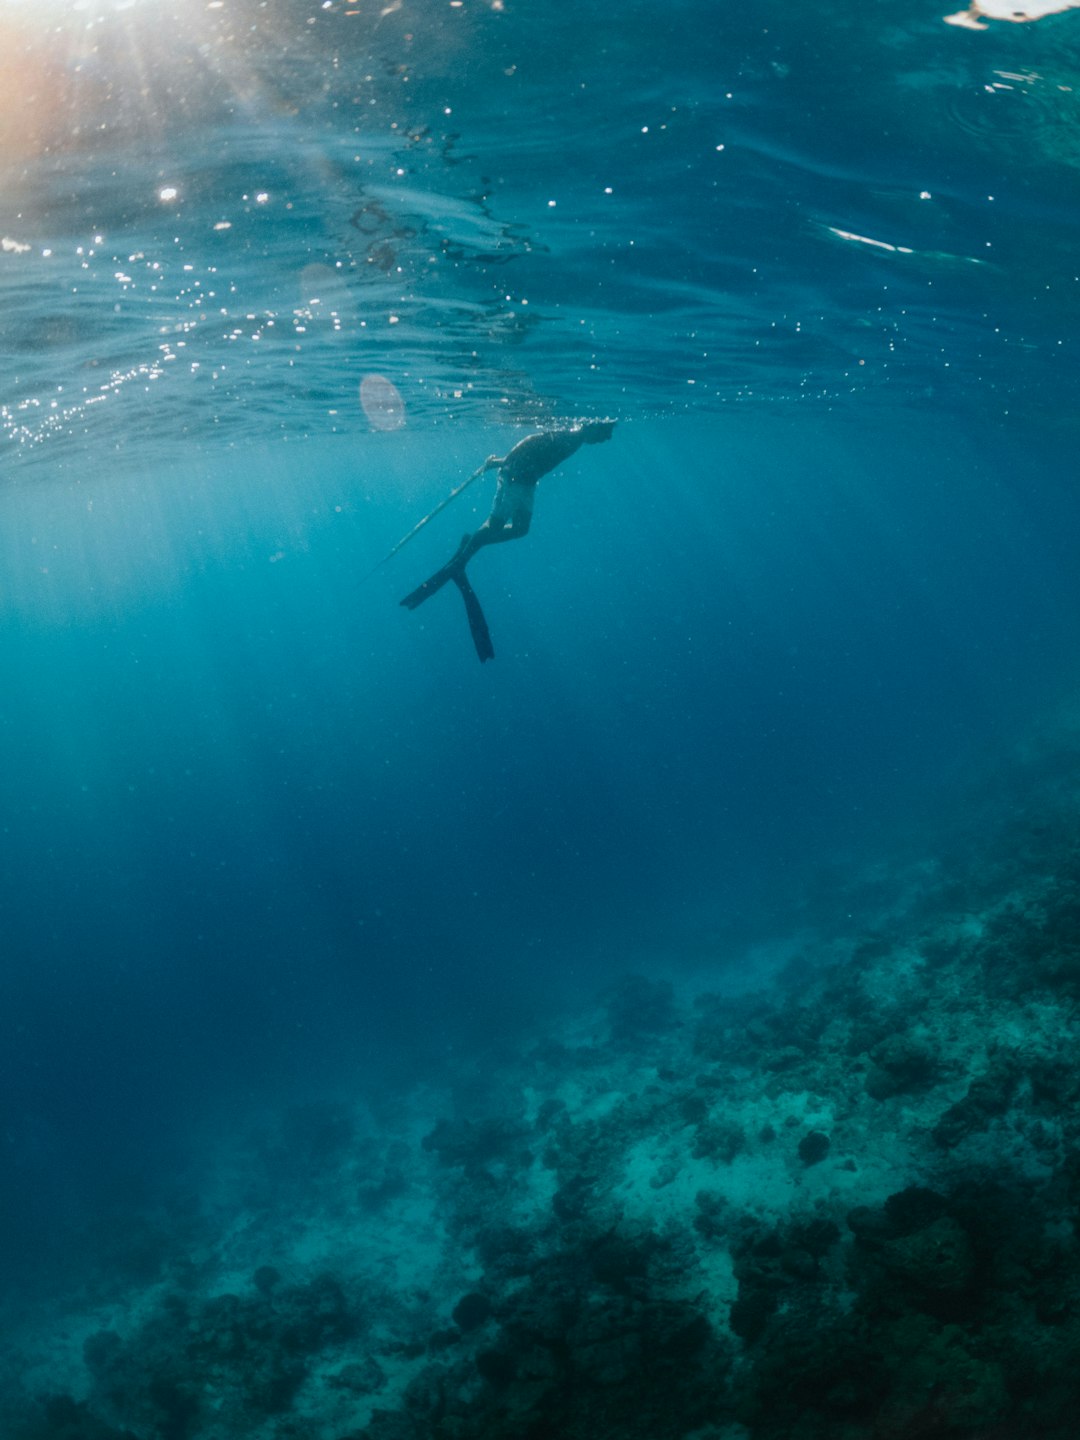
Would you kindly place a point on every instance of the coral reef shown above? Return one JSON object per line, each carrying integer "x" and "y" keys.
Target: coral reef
{"x": 840, "y": 1206}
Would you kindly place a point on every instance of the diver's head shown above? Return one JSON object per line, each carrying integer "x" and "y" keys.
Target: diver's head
{"x": 594, "y": 431}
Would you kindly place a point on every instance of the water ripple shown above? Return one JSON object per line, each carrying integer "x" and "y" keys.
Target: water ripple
{"x": 513, "y": 220}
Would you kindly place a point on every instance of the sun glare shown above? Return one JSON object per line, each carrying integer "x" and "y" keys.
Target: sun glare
{"x": 48, "y": 12}
{"x": 75, "y": 74}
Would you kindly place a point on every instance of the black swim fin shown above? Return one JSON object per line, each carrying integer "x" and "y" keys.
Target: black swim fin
{"x": 477, "y": 624}
{"x": 435, "y": 582}
{"x": 426, "y": 590}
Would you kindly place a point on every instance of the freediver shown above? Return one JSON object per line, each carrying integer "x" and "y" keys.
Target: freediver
{"x": 511, "y": 513}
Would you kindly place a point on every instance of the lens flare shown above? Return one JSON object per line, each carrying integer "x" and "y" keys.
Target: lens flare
{"x": 382, "y": 403}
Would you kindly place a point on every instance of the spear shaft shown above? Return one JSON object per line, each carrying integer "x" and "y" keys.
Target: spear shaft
{"x": 430, "y": 516}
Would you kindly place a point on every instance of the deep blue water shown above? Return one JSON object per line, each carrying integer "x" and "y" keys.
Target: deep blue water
{"x": 263, "y": 831}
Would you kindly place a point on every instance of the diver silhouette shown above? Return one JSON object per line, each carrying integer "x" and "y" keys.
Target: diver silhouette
{"x": 511, "y": 513}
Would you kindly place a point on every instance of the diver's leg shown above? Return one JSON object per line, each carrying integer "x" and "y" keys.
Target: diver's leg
{"x": 496, "y": 533}
{"x": 439, "y": 579}
{"x": 509, "y": 523}
{"x": 477, "y": 624}
{"x": 510, "y": 518}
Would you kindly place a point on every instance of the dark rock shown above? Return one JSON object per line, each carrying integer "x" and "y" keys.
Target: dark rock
{"x": 176, "y": 1405}
{"x": 375, "y": 1194}
{"x": 62, "y": 1418}
{"x": 816, "y": 1236}
{"x": 308, "y": 1317}
{"x": 693, "y": 1108}
{"x": 799, "y": 1263}
{"x": 471, "y": 1311}
{"x": 914, "y": 1209}
{"x": 475, "y": 1144}
{"x": 751, "y": 1313}
{"x": 813, "y": 1147}
{"x": 988, "y": 1096}
{"x": 937, "y": 1259}
{"x": 578, "y": 1365}
{"x": 441, "y": 1340}
{"x": 365, "y": 1377}
{"x": 265, "y": 1279}
{"x": 549, "y": 1112}
{"x": 497, "y": 1366}
{"x": 392, "y": 1425}
{"x": 902, "y": 1064}
{"x": 241, "y": 1355}
{"x": 786, "y": 1058}
{"x": 506, "y": 1251}
{"x": 712, "y": 1219}
{"x": 619, "y": 1262}
{"x": 818, "y": 1373}
{"x": 869, "y": 1225}
{"x": 571, "y": 1201}
{"x": 719, "y": 1140}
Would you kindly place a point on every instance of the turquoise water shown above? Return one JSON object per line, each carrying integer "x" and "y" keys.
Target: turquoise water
{"x": 276, "y": 278}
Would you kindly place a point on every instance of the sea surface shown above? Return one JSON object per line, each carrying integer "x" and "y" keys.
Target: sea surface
{"x": 276, "y": 276}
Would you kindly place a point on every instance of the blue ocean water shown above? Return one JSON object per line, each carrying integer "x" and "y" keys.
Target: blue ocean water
{"x": 276, "y": 277}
